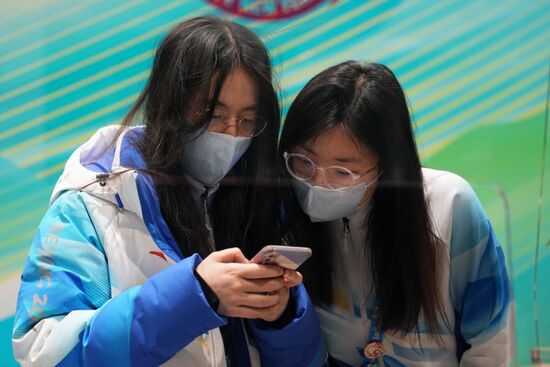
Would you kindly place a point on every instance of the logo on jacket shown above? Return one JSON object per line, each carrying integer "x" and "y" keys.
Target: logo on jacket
{"x": 159, "y": 254}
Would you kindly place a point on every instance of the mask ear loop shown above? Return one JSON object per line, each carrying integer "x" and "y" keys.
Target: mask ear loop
{"x": 376, "y": 178}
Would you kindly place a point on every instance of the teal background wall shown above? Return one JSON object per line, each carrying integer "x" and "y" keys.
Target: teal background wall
{"x": 476, "y": 74}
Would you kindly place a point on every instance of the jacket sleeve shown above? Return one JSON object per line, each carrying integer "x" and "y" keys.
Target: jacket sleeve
{"x": 299, "y": 343}
{"x": 479, "y": 284}
{"x": 65, "y": 314}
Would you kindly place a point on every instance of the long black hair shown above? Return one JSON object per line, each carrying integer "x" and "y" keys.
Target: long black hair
{"x": 368, "y": 101}
{"x": 189, "y": 69}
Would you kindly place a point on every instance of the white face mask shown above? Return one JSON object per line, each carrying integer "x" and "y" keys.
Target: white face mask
{"x": 210, "y": 156}
{"x": 324, "y": 205}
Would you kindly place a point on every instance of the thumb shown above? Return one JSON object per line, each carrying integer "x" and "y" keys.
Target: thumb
{"x": 231, "y": 255}
{"x": 292, "y": 278}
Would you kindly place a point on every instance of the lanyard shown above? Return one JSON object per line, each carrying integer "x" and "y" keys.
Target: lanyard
{"x": 373, "y": 352}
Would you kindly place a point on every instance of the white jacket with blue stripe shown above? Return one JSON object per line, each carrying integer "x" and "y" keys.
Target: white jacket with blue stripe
{"x": 105, "y": 284}
{"x": 474, "y": 287}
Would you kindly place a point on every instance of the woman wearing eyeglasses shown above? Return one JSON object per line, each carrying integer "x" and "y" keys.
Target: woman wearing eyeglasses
{"x": 406, "y": 269}
{"x": 142, "y": 257}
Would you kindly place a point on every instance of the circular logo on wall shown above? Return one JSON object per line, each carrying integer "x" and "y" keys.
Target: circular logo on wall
{"x": 266, "y": 9}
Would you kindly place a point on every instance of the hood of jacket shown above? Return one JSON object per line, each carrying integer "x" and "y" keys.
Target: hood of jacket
{"x": 105, "y": 170}
{"x": 112, "y": 172}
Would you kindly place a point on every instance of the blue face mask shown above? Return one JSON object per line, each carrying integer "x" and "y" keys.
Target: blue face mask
{"x": 324, "y": 205}
{"x": 210, "y": 156}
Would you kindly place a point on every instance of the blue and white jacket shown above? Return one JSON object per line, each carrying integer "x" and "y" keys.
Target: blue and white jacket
{"x": 473, "y": 287}
{"x": 105, "y": 283}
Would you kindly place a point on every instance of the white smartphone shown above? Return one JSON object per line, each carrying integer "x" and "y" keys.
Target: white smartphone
{"x": 287, "y": 257}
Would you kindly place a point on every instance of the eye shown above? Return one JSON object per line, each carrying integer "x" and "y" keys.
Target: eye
{"x": 217, "y": 117}
{"x": 249, "y": 118}
{"x": 342, "y": 172}
{"x": 301, "y": 161}
{"x": 302, "y": 166}
{"x": 248, "y": 122}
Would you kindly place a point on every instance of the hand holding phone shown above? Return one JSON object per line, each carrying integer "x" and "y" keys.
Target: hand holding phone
{"x": 244, "y": 289}
{"x": 287, "y": 257}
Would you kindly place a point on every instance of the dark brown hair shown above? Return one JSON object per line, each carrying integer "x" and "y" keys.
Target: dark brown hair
{"x": 368, "y": 101}
{"x": 189, "y": 68}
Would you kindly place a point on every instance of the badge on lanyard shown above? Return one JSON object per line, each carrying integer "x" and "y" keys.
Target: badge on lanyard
{"x": 374, "y": 350}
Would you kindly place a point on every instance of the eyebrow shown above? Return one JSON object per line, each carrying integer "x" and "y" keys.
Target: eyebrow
{"x": 306, "y": 148}
{"x": 347, "y": 160}
{"x": 337, "y": 159}
{"x": 248, "y": 108}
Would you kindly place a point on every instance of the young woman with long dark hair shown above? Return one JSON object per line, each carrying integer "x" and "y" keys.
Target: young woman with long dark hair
{"x": 142, "y": 257}
{"x": 406, "y": 269}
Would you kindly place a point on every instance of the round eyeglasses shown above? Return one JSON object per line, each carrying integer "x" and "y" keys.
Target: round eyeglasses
{"x": 249, "y": 126}
{"x": 302, "y": 168}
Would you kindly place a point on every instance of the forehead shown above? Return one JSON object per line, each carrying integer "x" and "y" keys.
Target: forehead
{"x": 337, "y": 140}
{"x": 238, "y": 91}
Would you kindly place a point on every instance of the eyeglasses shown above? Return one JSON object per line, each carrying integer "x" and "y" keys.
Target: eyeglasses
{"x": 302, "y": 168}
{"x": 249, "y": 126}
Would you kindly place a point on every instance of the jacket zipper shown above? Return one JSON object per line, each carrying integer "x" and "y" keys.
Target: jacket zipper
{"x": 102, "y": 178}
{"x": 347, "y": 235}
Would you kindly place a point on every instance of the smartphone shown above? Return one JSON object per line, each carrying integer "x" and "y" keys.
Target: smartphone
{"x": 287, "y": 257}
